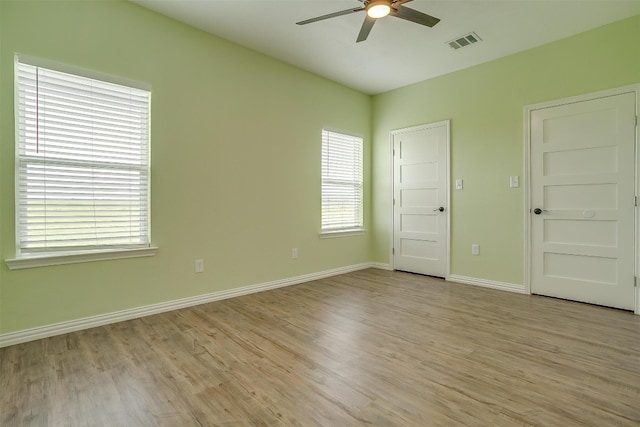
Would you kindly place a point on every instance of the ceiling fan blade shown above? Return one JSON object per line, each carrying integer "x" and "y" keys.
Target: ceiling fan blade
{"x": 330, "y": 15}
{"x": 367, "y": 25}
{"x": 414, "y": 16}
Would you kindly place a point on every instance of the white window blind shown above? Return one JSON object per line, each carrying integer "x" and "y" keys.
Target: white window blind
{"x": 341, "y": 182}
{"x": 82, "y": 162}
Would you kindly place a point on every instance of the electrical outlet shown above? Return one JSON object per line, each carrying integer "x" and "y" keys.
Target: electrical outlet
{"x": 514, "y": 181}
{"x": 458, "y": 184}
{"x": 294, "y": 253}
{"x": 475, "y": 249}
{"x": 199, "y": 265}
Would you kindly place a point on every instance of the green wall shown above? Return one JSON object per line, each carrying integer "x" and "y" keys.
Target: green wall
{"x": 236, "y": 154}
{"x": 485, "y": 104}
{"x": 235, "y": 161}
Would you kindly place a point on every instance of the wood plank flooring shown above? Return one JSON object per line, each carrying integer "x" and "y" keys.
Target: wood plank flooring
{"x": 367, "y": 348}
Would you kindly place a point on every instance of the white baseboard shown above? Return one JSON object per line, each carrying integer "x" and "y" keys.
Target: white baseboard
{"x": 40, "y": 332}
{"x": 511, "y": 287}
{"x": 382, "y": 266}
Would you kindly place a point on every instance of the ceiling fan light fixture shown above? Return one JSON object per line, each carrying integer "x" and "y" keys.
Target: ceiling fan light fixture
{"x": 378, "y": 9}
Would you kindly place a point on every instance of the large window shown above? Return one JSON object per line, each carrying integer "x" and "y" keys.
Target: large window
{"x": 82, "y": 162}
{"x": 341, "y": 182}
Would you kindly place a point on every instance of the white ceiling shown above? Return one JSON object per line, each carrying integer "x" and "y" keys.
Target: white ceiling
{"x": 397, "y": 52}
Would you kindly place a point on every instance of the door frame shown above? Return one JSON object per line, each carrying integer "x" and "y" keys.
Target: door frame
{"x": 528, "y": 109}
{"x": 400, "y": 131}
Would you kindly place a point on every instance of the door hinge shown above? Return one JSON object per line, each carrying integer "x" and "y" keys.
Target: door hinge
{"x": 394, "y": 202}
{"x": 635, "y": 281}
{"x": 637, "y": 201}
{"x": 393, "y": 251}
{"x": 394, "y": 152}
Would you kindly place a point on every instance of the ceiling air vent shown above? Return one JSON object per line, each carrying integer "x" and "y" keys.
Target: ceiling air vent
{"x": 463, "y": 41}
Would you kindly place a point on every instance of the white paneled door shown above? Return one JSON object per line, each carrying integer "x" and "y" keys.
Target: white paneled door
{"x": 420, "y": 196}
{"x": 583, "y": 200}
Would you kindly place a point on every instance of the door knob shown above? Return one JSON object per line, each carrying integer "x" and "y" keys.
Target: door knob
{"x": 538, "y": 211}
{"x": 440, "y": 209}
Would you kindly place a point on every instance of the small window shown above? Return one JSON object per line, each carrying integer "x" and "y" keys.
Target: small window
{"x": 341, "y": 182}
{"x": 82, "y": 171}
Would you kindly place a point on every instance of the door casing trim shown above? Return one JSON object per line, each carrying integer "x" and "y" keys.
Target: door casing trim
{"x": 400, "y": 131}
{"x": 528, "y": 109}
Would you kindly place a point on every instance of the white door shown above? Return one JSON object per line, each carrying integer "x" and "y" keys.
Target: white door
{"x": 420, "y": 193}
{"x": 582, "y": 201}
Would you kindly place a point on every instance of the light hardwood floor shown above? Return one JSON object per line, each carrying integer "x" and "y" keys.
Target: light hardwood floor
{"x": 366, "y": 348}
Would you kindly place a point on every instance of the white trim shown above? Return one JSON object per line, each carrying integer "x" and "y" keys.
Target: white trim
{"x": 382, "y": 266}
{"x": 637, "y": 257}
{"x": 40, "y": 332}
{"x": 528, "y": 109}
{"x": 584, "y": 97}
{"x": 77, "y": 257}
{"x": 342, "y": 233}
{"x": 485, "y": 283}
{"x": 526, "y": 186}
{"x": 392, "y": 237}
{"x": 447, "y": 272}
{"x": 392, "y": 134}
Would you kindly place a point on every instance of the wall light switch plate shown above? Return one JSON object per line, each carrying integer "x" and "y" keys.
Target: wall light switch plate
{"x": 458, "y": 184}
{"x": 199, "y": 265}
{"x": 514, "y": 182}
{"x": 475, "y": 249}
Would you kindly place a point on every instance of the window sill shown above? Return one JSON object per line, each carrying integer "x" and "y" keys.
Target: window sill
{"x": 43, "y": 260}
{"x": 342, "y": 233}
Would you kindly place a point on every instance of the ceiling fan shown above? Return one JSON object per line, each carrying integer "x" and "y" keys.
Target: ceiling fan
{"x": 376, "y": 9}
